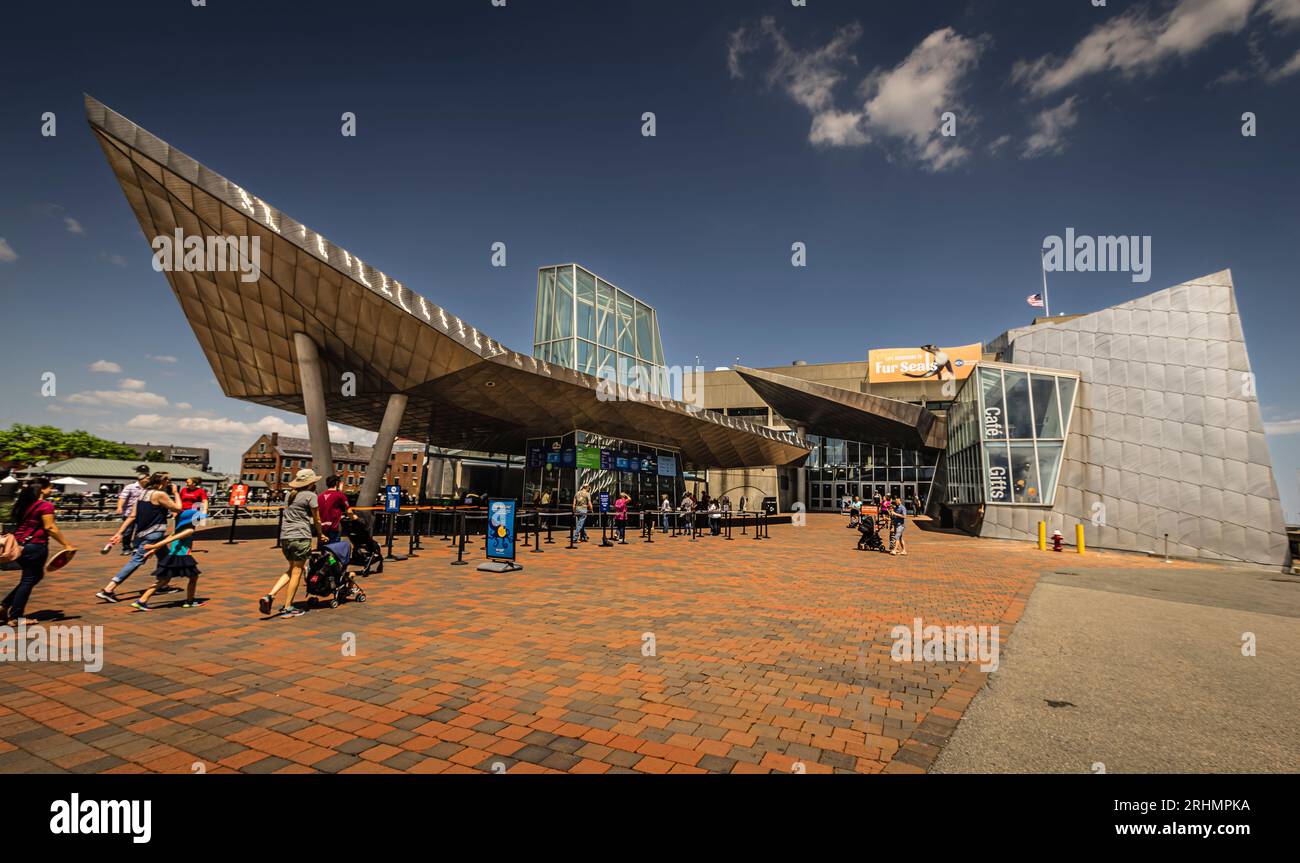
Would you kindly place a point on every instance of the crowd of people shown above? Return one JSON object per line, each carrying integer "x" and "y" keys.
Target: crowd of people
{"x": 884, "y": 515}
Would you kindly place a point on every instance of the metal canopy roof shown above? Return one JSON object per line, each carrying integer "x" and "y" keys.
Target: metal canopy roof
{"x": 835, "y": 412}
{"x": 465, "y": 389}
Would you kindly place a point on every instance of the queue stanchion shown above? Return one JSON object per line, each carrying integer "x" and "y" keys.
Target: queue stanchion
{"x": 537, "y": 535}
{"x": 234, "y": 520}
{"x": 447, "y": 517}
{"x": 744, "y": 530}
{"x": 604, "y": 533}
{"x": 727, "y": 525}
{"x": 460, "y": 540}
{"x": 649, "y": 526}
{"x": 573, "y": 532}
{"x": 549, "y": 541}
{"x": 757, "y": 515}
{"x": 416, "y": 529}
{"x": 412, "y": 544}
{"x": 279, "y": 525}
{"x": 694, "y": 526}
{"x": 391, "y": 524}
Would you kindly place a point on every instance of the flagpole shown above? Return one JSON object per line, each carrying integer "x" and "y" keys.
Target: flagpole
{"x": 1047, "y": 306}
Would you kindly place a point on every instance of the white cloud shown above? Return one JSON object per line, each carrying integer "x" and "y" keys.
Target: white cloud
{"x": 901, "y": 105}
{"x": 1282, "y": 11}
{"x": 118, "y": 398}
{"x": 74, "y": 227}
{"x": 226, "y": 427}
{"x": 1283, "y": 427}
{"x": 131, "y": 384}
{"x": 7, "y": 253}
{"x": 1135, "y": 42}
{"x": 164, "y": 359}
{"x": 116, "y": 260}
{"x": 105, "y": 366}
{"x": 998, "y": 143}
{"x": 1286, "y": 70}
{"x": 1050, "y": 128}
{"x": 184, "y": 406}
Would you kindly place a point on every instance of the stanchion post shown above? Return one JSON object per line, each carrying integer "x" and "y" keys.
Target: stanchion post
{"x": 460, "y": 540}
{"x": 234, "y": 519}
{"x": 279, "y": 525}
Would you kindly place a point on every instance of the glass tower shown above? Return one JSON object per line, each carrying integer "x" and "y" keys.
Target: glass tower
{"x": 585, "y": 323}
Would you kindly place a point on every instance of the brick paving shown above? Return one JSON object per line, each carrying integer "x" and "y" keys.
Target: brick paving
{"x": 769, "y": 656}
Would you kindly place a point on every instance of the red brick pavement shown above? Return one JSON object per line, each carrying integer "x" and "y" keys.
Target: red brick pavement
{"x": 770, "y": 656}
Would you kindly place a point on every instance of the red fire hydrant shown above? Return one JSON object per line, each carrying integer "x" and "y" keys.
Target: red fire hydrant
{"x": 1057, "y": 540}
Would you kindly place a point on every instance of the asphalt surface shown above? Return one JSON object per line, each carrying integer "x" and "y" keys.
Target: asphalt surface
{"x": 1142, "y": 671}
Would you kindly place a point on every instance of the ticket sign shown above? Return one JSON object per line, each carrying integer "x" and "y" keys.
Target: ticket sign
{"x": 501, "y": 528}
{"x": 393, "y": 498}
{"x": 239, "y": 494}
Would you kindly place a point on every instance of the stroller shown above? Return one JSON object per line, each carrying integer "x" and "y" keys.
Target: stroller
{"x": 366, "y": 553}
{"x": 328, "y": 576}
{"x": 868, "y": 537}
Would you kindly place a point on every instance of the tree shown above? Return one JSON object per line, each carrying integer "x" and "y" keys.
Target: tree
{"x": 26, "y": 444}
{"x": 155, "y": 455}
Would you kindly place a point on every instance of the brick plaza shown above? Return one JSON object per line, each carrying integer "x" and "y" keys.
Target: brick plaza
{"x": 769, "y": 656}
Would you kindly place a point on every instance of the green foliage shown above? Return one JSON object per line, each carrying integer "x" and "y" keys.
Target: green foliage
{"x": 26, "y": 444}
{"x": 155, "y": 455}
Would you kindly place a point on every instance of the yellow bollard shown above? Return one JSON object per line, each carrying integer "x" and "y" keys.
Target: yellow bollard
{"x": 1042, "y": 536}
{"x": 1078, "y": 538}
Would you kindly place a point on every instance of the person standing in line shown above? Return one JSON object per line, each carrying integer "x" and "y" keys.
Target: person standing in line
{"x": 149, "y": 521}
{"x": 333, "y": 506}
{"x": 34, "y": 517}
{"x": 620, "y": 516}
{"x": 855, "y": 509}
{"x": 665, "y": 510}
{"x": 176, "y": 563}
{"x": 898, "y": 513}
{"x": 581, "y": 506}
{"x": 126, "y": 500}
{"x": 194, "y": 496}
{"x": 299, "y": 527}
{"x": 715, "y": 517}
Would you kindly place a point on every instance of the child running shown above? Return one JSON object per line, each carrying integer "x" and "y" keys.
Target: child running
{"x": 176, "y": 563}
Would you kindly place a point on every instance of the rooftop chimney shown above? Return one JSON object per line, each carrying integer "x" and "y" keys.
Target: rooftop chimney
{"x": 275, "y": 438}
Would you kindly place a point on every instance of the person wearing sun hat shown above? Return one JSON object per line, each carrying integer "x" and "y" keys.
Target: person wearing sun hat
{"x": 299, "y": 528}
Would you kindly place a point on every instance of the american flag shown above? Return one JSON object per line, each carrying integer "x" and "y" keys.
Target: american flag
{"x": 1035, "y": 300}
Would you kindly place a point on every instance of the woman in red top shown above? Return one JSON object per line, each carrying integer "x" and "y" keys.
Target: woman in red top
{"x": 193, "y": 496}
{"x": 620, "y": 516}
{"x": 34, "y": 516}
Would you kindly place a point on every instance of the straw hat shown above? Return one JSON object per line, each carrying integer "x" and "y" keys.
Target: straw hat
{"x": 304, "y": 478}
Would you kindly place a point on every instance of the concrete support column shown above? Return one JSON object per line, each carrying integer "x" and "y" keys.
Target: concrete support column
{"x": 310, "y": 372}
{"x": 801, "y": 476}
{"x": 382, "y": 451}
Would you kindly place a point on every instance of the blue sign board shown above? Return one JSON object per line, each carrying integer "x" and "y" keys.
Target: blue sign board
{"x": 667, "y": 465}
{"x": 393, "y": 498}
{"x": 606, "y": 459}
{"x": 604, "y": 501}
{"x": 567, "y": 456}
{"x": 501, "y": 529}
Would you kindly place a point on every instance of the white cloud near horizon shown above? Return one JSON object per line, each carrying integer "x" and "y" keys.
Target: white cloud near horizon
{"x": 1282, "y": 427}
{"x": 118, "y": 398}
{"x": 105, "y": 366}
{"x": 1137, "y": 42}
{"x": 900, "y": 106}
{"x": 7, "y": 253}
{"x": 73, "y": 226}
{"x": 131, "y": 384}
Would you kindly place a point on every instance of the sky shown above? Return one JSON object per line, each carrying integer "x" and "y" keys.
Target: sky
{"x": 774, "y": 124}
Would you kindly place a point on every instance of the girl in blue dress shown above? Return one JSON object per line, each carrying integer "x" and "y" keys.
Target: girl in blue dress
{"x": 175, "y": 562}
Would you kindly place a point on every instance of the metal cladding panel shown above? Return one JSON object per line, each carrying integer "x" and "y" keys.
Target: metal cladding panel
{"x": 1202, "y": 473}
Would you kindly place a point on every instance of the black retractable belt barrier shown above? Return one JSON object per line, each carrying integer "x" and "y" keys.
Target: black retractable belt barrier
{"x": 234, "y": 520}
{"x": 459, "y": 540}
{"x": 278, "y": 527}
{"x": 537, "y": 536}
{"x": 728, "y": 524}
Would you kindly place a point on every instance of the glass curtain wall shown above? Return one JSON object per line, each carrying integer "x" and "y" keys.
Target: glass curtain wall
{"x": 558, "y": 466}
{"x": 1006, "y": 436}
{"x": 837, "y": 467}
{"x": 585, "y": 323}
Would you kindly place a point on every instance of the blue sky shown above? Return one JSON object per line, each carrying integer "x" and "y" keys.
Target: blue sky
{"x": 775, "y": 124}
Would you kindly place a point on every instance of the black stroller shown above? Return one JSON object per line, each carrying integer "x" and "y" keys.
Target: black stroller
{"x": 366, "y": 553}
{"x": 868, "y": 537}
{"x": 328, "y": 576}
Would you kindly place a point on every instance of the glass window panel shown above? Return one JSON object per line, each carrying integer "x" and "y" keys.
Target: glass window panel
{"x": 564, "y": 303}
{"x": 1047, "y": 419}
{"x": 1024, "y": 473}
{"x": 623, "y": 367}
{"x": 834, "y": 451}
{"x": 1020, "y": 423}
{"x": 626, "y": 338}
{"x": 995, "y": 415}
{"x": 605, "y": 314}
{"x": 644, "y": 342}
{"x": 543, "y": 330}
{"x": 659, "y": 346}
{"x": 1067, "y": 399}
{"x": 586, "y": 300}
{"x": 606, "y": 367}
{"x": 1049, "y": 465}
{"x": 586, "y": 357}
{"x": 997, "y": 473}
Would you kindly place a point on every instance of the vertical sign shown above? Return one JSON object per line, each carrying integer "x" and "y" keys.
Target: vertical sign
{"x": 501, "y": 529}
{"x": 393, "y": 498}
{"x": 238, "y": 494}
{"x": 604, "y": 501}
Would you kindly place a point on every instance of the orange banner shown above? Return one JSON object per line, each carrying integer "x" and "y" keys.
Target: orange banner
{"x": 891, "y": 365}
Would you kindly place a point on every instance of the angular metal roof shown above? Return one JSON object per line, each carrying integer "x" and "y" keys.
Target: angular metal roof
{"x": 465, "y": 389}
{"x": 836, "y": 412}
